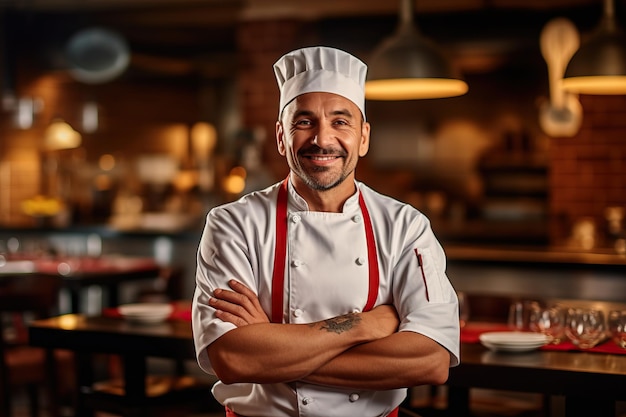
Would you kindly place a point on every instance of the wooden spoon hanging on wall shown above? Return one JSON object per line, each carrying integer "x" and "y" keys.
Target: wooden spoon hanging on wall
{"x": 561, "y": 115}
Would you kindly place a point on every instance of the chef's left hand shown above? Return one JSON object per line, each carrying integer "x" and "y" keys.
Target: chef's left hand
{"x": 240, "y": 306}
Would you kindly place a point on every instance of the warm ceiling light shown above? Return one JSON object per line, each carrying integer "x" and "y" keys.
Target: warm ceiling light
{"x": 203, "y": 140}
{"x": 599, "y": 66}
{"x": 60, "y": 135}
{"x": 408, "y": 66}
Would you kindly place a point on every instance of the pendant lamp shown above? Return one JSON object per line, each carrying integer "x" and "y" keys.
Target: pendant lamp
{"x": 408, "y": 66}
{"x": 599, "y": 66}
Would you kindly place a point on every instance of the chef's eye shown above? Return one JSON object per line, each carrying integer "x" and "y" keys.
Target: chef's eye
{"x": 303, "y": 122}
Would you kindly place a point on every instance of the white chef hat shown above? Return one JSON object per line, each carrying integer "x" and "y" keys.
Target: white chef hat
{"x": 321, "y": 69}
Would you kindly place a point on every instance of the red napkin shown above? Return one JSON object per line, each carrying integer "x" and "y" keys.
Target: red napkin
{"x": 179, "y": 313}
{"x": 472, "y": 332}
{"x": 607, "y": 347}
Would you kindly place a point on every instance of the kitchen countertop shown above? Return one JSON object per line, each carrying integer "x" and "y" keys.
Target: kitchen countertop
{"x": 455, "y": 251}
{"x": 557, "y": 256}
{"x": 102, "y": 230}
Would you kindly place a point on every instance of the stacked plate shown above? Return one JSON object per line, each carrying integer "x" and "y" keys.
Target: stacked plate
{"x": 146, "y": 313}
{"x": 513, "y": 341}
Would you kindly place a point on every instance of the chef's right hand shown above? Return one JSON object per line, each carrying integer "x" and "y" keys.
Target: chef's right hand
{"x": 382, "y": 321}
{"x": 239, "y": 305}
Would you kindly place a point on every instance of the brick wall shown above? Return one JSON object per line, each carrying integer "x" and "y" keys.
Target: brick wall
{"x": 588, "y": 171}
{"x": 260, "y": 44}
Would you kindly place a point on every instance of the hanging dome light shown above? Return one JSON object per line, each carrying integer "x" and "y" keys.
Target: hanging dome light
{"x": 408, "y": 66}
{"x": 599, "y": 66}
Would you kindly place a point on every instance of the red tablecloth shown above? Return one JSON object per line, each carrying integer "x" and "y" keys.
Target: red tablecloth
{"x": 87, "y": 265}
{"x": 471, "y": 333}
{"x": 608, "y": 346}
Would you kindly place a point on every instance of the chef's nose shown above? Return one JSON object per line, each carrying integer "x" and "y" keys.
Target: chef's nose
{"x": 322, "y": 137}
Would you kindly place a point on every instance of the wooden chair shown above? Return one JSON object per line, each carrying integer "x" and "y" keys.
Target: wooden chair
{"x": 166, "y": 396}
{"x": 24, "y": 368}
{"x": 170, "y": 389}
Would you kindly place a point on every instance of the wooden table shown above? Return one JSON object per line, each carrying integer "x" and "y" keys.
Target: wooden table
{"x": 78, "y": 273}
{"x": 134, "y": 343}
{"x": 590, "y": 382}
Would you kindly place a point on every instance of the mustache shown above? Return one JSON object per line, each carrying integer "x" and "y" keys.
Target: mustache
{"x": 317, "y": 150}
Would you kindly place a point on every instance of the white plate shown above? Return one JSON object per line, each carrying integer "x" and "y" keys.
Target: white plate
{"x": 513, "y": 341}
{"x": 146, "y": 312}
{"x": 16, "y": 267}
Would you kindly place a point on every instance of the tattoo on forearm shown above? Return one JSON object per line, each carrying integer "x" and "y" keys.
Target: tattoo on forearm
{"x": 341, "y": 324}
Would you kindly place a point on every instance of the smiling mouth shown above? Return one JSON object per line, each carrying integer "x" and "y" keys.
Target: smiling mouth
{"x": 322, "y": 157}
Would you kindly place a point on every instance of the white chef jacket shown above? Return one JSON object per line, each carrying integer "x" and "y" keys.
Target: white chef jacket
{"x": 326, "y": 275}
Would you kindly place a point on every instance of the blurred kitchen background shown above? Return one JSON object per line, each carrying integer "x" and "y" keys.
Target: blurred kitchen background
{"x": 174, "y": 110}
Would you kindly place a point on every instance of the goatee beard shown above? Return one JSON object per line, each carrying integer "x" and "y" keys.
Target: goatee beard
{"x": 318, "y": 186}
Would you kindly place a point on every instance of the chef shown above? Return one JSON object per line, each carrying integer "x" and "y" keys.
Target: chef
{"x": 318, "y": 296}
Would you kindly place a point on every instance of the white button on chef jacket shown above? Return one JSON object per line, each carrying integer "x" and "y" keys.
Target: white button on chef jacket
{"x": 328, "y": 265}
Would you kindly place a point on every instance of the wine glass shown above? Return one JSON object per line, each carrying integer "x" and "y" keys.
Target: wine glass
{"x": 585, "y": 327}
{"x": 549, "y": 321}
{"x": 519, "y": 315}
{"x": 617, "y": 327}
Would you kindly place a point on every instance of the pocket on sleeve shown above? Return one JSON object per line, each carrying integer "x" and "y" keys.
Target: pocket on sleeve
{"x": 432, "y": 274}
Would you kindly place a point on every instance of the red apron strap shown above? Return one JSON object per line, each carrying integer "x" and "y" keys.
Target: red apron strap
{"x": 230, "y": 413}
{"x": 394, "y": 413}
{"x": 372, "y": 256}
{"x": 280, "y": 252}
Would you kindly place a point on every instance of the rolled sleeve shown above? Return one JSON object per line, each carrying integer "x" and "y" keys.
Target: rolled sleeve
{"x": 223, "y": 255}
{"x": 425, "y": 299}
{"x": 206, "y": 329}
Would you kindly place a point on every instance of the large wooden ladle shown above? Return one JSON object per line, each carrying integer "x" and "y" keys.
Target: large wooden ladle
{"x": 561, "y": 115}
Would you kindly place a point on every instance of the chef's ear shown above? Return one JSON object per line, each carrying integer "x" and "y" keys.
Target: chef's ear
{"x": 280, "y": 138}
{"x": 364, "y": 146}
